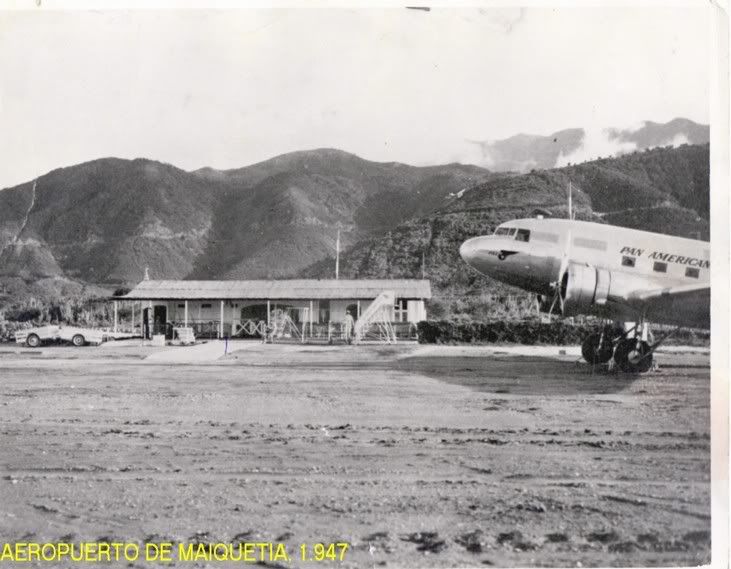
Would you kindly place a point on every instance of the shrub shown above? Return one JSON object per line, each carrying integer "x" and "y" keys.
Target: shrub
{"x": 24, "y": 314}
{"x": 529, "y": 332}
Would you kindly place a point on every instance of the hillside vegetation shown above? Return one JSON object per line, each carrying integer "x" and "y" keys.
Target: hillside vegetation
{"x": 98, "y": 225}
{"x": 658, "y": 191}
{"x": 104, "y": 222}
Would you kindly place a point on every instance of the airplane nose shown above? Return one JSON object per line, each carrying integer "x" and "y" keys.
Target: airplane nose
{"x": 484, "y": 253}
{"x": 468, "y": 250}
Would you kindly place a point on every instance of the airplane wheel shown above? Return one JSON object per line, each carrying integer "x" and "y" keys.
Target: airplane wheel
{"x": 595, "y": 354}
{"x": 33, "y": 340}
{"x": 78, "y": 340}
{"x": 633, "y": 356}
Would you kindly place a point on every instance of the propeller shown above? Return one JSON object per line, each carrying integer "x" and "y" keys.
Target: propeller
{"x": 562, "y": 269}
{"x": 558, "y": 298}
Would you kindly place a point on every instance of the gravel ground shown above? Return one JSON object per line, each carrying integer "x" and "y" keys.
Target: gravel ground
{"x": 416, "y": 456}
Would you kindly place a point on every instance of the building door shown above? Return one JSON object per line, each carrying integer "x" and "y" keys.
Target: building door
{"x": 146, "y": 332}
{"x": 353, "y": 309}
{"x": 324, "y": 315}
{"x": 160, "y": 318}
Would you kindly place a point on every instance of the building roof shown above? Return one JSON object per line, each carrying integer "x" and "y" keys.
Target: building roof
{"x": 300, "y": 289}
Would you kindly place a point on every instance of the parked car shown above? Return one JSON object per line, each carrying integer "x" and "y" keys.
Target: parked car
{"x": 34, "y": 337}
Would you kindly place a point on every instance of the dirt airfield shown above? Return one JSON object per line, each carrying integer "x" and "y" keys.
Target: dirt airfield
{"x": 416, "y": 456}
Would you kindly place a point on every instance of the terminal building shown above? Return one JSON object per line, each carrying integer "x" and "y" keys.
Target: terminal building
{"x": 218, "y": 309}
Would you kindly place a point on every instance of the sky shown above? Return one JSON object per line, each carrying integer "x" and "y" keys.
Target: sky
{"x": 228, "y": 88}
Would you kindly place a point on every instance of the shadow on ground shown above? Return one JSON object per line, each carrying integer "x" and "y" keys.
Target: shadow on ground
{"x": 519, "y": 375}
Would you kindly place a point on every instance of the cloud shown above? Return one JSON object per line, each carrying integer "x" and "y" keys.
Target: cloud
{"x": 678, "y": 140}
{"x": 597, "y": 143}
{"x": 476, "y": 152}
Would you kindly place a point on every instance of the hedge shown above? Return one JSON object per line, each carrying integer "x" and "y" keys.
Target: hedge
{"x": 557, "y": 333}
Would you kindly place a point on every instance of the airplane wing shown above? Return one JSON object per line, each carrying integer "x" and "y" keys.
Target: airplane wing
{"x": 686, "y": 304}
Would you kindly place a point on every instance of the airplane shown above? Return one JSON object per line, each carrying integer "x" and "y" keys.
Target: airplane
{"x": 616, "y": 273}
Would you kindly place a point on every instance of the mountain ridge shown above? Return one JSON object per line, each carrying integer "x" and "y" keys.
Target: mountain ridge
{"x": 105, "y": 220}
{"x": 102, "y": 223}
{"x": 656, "y": 190}
{"x": 524, "y": 152}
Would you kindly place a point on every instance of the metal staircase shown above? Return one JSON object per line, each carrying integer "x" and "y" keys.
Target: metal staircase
{"x": 375, "y": 323}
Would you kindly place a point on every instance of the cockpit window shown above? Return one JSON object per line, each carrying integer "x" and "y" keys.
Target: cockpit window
{"x": 523, "y": 235}
{"x": 511, "y": 231}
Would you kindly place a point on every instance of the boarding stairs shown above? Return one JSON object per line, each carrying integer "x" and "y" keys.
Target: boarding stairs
{"x": 375, "y": 322}
{"x": 283, "y": 327}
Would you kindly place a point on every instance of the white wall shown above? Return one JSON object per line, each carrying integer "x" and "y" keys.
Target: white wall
{"x": 416, "y": 311}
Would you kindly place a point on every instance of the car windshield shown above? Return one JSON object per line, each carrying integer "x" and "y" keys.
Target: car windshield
{"x": 502, "y": 231}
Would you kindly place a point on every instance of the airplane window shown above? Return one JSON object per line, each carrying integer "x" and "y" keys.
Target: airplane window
{"x": 660, "y": 267}
{"x": 628, "y": 261}
{"x": 523, "y": 235}
{"x": 590, "y": 243}
{"x": 691, "y": 272}
{"x": 541, "y": 236}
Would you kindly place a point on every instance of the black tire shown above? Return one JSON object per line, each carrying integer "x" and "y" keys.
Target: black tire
{"x": 595, "y": 354}
{"x": 33, "y": 341}
{"x": 78, "y": 340}
{"x": 633, "y": 357}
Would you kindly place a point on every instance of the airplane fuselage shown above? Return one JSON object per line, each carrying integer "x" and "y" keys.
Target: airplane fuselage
{"x": 535, "y": 254}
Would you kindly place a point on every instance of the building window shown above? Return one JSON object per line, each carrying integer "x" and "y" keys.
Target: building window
{"x": 692, "y": 272}
{"x": 628, "y": 261}
{"x": 181, "y": 305}
{"x": 400, "y": 312}
{"x": 660, "y": 267}
{"x": 205, "y": 305}
{"x": 523, "y": 235}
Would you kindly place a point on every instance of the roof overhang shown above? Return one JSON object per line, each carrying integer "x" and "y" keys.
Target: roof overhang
{"x": 299, "y": 289}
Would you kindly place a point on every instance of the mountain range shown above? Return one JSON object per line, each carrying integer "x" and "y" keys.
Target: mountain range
{"x": 96, "y": 226}
{"x": 665, "y": 190}
{"x": 104, "y": 222}
{"x": 524, "y": 152}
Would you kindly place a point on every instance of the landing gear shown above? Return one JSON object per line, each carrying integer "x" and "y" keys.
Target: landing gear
{"x": 597, "y": 348}
{"x": 633, "y": 355}
{"x": 631, "y": 351}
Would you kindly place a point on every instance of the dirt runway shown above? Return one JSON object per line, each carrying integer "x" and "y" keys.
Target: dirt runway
{"x": 417, "y": 457}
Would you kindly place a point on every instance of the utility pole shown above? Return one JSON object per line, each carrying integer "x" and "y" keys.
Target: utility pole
{"x": 571, "y": 207}
{"x": 337, "y": 256}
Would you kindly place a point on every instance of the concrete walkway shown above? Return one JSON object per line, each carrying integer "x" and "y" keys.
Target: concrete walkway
{"x": 208, "y": 352}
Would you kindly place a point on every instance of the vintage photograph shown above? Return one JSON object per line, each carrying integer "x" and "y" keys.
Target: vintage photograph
{"x": 362, "y": 285}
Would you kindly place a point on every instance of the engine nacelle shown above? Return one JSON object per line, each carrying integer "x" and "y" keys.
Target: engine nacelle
{"x": 584, "y": 287}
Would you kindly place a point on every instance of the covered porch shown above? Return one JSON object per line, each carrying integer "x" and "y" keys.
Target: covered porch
{"x": 317, "y": 309}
